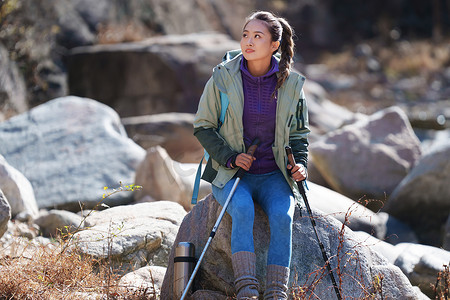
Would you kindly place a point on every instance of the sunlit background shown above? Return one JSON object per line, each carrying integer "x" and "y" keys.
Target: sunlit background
{"x": 367, "y": 55}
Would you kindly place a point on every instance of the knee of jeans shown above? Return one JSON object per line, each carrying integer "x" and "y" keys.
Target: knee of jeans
{"x": 280, "y": 220}
{"x": 242, "y": 211}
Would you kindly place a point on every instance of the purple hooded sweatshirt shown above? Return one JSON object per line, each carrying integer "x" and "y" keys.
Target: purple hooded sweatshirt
{"x": 260, "y": 115}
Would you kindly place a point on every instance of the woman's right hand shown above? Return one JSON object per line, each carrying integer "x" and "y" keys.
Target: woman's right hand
{"x": 244, "y": 161}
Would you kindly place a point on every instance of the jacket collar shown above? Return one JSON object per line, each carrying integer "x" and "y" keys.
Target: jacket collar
{"x": 225, "y": 72}
{"x": 273, "y": 69}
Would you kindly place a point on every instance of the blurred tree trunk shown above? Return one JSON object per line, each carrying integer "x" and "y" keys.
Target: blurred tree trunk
{"x": 437, "y": 24}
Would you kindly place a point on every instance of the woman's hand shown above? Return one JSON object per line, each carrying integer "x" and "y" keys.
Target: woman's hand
{"x": 298, "y": 173}
{"x": 244, "y": 161}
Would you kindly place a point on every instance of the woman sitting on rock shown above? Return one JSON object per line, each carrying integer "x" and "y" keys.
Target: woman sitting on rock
{"x": 266, "y": 101}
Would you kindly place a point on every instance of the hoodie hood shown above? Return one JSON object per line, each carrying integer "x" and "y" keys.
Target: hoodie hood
{"x": 224, "y": 72}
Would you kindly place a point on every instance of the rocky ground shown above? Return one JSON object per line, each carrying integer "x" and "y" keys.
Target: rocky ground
{"x": 97, "y": 96}
{"x": 134, "y": 231}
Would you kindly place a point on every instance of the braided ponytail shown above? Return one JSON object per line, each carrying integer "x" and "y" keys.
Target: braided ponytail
{"x": 287, "y": 52}
{"x": 280, "y": 30}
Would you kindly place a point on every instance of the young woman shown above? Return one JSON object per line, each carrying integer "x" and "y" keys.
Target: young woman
{"x": 266, "y": 101}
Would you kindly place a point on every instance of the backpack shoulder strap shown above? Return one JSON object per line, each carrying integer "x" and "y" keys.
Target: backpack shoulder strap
{"x": 224, "y": 101}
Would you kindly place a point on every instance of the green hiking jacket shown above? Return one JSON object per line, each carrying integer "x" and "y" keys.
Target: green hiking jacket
{"x": 291, "y": 128}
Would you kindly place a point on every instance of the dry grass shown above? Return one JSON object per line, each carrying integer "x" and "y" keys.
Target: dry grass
{"x": 58, "y": 271}
{"x": 421, "y": 61}
{"x": 442, "y": 286}
{"x": 415, "y": 59}
{"x": 52, "y": 274}
{"x": 373, "y": 290}
{"x": 47, "y": 277}
{"x": 407, "y": 58}
{"x": 121, "y": 33}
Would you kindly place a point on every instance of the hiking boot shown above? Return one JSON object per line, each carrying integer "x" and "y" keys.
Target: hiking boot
{"x": 244, "y": 268}
{"x": 277, "y": 283}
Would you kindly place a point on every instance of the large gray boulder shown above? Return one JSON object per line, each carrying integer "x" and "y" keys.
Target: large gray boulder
{"x": 324, "y": 114}
{"x": 170, "y": 75}
{"x": 69, "y": 149}
{"x": 163, "y": 178}
{"x": 5, "y": 213}
{"x": 163, "y": 16}
{"x": 359, "y": 266}
{"x": 356, "y": 216}
{"x": 172, "y": 131}
{"x": 370, "y": 157}
{"x": 157, "y": 176}
{"x": 421, "y": 264}
{"x": 17, "y": 189}
{"x": 422, "y": 198}
{"x": 135, "y": 235}
{"x": 37, "y": 34}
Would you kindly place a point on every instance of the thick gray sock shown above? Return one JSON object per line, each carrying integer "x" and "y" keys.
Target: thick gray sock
{"x": 277, "y": 283}
{"x": 244, "y": 267}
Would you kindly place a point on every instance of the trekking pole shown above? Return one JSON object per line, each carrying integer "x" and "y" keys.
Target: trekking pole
{"x": 251, "y": 150}
{"x": 291, "y": 160}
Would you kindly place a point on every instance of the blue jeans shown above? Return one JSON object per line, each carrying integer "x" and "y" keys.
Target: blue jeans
{"x": 273, "y": 194}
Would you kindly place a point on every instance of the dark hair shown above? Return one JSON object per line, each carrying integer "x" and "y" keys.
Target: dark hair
{"x": 280, "y": 30}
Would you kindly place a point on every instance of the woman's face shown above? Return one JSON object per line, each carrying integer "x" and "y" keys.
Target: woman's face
{"x": 256, "y": 41}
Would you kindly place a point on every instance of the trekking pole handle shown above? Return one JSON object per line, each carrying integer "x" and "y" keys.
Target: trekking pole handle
{"x": 251, "y": 150}
{"x": 290, "y": 156}
{"x": 291, "y": 160}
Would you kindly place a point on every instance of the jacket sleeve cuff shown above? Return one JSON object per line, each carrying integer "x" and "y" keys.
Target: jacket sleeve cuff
{"x": 231, "y": 162}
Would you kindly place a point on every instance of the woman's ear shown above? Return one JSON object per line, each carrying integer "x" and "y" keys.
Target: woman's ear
{"x": 275, "y": 45}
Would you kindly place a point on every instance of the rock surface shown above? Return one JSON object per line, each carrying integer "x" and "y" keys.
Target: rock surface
{"x": 58, "y": 222}
{"x": 370, "y": 157}
{"x": 171, "y": 79}
{"x": 69, "y": 149}
{"x": 356, "y": 216}
{"x": 421, "y": 264}
{"x": 148, "y": 278}
{"x": 358, "y": 264}
{"x": 17, "y": 189}
{"x": 172, "y": 131}
{"x": 12, "y": 87}
{"x": 159, "y": 180}
{"x": 324, "y": 115}
{"x": 422, "y": 198}
{"x": 132, "y": 235}
{"x": 5, "y": 214}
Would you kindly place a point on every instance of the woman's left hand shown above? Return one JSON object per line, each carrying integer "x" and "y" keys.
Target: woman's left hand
{"x": 298, "y": 173}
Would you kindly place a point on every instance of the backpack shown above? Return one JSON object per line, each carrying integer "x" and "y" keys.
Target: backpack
{"x": 224, "y": 105}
